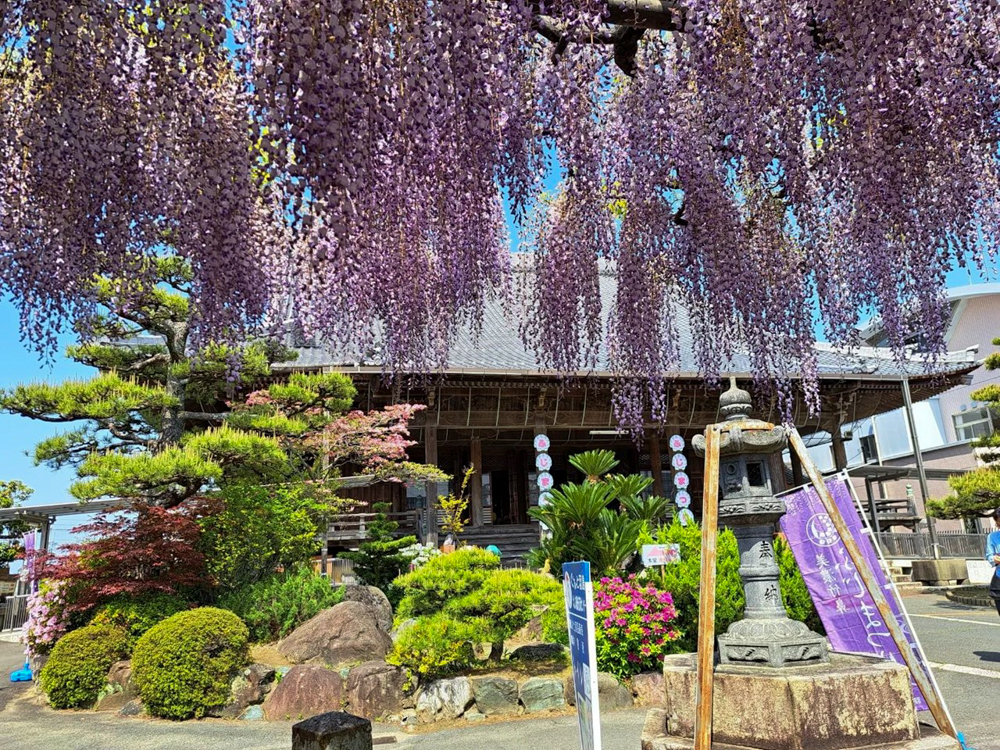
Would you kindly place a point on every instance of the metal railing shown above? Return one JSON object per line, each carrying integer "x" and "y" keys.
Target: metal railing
{"x": 918, "y": 546}
{"x": 15, "y": 613}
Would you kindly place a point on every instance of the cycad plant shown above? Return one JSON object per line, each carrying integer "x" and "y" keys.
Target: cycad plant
{"x": 582, "y": 524}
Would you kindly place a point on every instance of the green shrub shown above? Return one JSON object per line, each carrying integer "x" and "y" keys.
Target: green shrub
{"x": 273, "y": 607}
{"x": 257, "y": 531}
{"x": 427, "y": 589}
{"x": 381, "y": 559}
{"x": 435, "y": 646}
{"x": 683, "y": 581}
{"x": 505, "y": 602}
{"x": 184, "y": 665}
{"x": 137, "y": 615}
{"x": 78, "y": 668}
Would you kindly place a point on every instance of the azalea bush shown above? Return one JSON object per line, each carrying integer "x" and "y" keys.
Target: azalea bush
{"x": 48, "y": 619}
{"x": 634, "y": 626}
{"x": 78, "y": 668}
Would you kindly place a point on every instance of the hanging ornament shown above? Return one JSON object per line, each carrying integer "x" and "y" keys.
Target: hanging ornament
{"x": 683, "y": 499}
{"x": 681, "y": 480}
{"x": 545, "y": 481}
{"x": 685, "y": 516}
{"x": 543, "y": 462}
{"x": 542, "y": 443}
{"x": 545, "y": 498}
{"x": 679, "y": 462}
{"x": 676, "y": 443}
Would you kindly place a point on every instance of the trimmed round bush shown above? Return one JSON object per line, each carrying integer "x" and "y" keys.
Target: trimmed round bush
{"x": 435, "y": 646}
{"x": 137, "y": 615}
{"x": 184, "y": 665}
{"x": 77, "y": 669}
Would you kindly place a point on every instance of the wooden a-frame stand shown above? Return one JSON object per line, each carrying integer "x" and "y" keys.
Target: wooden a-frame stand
{"x": 706, "y": 607}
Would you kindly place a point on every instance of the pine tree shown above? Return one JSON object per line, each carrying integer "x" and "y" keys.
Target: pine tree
{"x": 380, "y": 558}
{"x": 12, "y": 493}
{"x": 165, "y": 420}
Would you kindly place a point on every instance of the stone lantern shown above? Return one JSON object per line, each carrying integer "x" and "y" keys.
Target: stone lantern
{"x": 747, "y": 505}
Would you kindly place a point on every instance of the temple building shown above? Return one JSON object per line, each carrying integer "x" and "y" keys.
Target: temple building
{"x": 491, "y": 401}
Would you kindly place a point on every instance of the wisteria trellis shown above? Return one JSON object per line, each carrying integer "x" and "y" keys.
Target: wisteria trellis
{"x": 735, "y": 157}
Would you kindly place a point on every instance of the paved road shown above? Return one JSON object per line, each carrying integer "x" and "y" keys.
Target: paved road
{"x": 963, "y": 645}
{"x": 962, "y": 642}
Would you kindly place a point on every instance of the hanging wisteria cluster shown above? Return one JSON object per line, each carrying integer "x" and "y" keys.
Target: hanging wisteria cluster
{"x": 367, "y": 164}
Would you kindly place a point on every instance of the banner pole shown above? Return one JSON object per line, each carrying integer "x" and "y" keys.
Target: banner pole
{"x": 878, "y": 596}
{"x": 706, "y": 597}
{"x": 899, "y": 599}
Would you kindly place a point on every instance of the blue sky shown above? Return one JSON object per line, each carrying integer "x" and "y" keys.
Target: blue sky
{"x": 17, "y": 435}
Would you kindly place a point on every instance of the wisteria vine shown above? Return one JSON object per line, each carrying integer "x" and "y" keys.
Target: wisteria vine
{"x": 357, "y": 165}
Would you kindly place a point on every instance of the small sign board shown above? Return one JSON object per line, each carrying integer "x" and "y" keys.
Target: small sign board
{"x": 579, "y": 592}
{"x": 980, "y": 571}
{"x": 660, "y": 554}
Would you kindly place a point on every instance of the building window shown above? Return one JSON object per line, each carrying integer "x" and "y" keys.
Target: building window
{"x": 869, "y": 449}
{"x": 973, "y": 424}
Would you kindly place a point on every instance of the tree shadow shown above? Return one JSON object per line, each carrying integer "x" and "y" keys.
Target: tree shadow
{"x": 992, "y": 656}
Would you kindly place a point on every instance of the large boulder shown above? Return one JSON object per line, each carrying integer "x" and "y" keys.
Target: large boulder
{"x": 612, "y": 693}
{"x": 305, "y": 691}
{"x": 495, "y": 695}
{"x": 346, "y": 634}
{"x": 542, "y": 694}
{"x": 375, "y": 599}
{"x": 375, "y": 689}
{"x": 648, "y": 689}
{"x": 442, "y": 700}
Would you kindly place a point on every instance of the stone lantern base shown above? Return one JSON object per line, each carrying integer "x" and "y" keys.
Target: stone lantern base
{"x": 850, "y": 702}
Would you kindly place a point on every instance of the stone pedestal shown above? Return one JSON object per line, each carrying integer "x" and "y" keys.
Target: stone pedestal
{"x": 332, "y": 731}
{"x": 850, "y": 702}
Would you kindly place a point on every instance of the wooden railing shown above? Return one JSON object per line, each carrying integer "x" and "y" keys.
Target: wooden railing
{"x": 896, "y": 512}
{"x": 349, "y": 527}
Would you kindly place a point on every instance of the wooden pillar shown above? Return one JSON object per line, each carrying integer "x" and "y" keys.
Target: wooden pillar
{"x": 839, "y": 452}
{"x": 431, "y": 459}
{"x": 798, "y": 479}
{"x": 656, "y": 465}
{"x": 476, "y": 488}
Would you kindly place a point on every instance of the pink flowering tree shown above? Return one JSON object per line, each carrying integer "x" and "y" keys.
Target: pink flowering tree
{"x": 634, "y": 626}
{"x": 48, "y": 618}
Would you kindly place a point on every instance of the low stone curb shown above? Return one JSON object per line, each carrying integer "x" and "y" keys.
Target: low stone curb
{"x": 971, "y": 598}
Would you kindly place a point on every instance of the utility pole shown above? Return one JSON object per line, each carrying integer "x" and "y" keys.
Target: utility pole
{"x": 921, "y": 474}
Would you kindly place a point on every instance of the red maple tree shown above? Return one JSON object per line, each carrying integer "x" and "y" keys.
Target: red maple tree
{"x": 143, "y": 549}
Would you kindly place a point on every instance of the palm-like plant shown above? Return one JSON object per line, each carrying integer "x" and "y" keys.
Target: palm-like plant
{"x": 582, "y": 526}
{"x": 594, "y": 464}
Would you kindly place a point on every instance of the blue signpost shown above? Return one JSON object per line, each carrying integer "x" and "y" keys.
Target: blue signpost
{"x": 583, "y": 651}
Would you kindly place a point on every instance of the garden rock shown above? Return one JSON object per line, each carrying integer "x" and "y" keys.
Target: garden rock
{"x": 648, "y": 689}
{"x": 375, "y": 599}
{"x": 132, "y": 708}
{"x": 495, "y": 695}
{"x": 532, "y": 631}
{"x": 248, "y": 688}
{"x": 443, "y": 700}
{"x": 305, "y": 691}
{"x": 253, "y": 713}
{"x": 539, "y": 652}
{"x": 375, "y": 689}
{"x": 570, "y": 689}
{"x": 346, "y": 634}
{"x": 474, "y": 715}
{"x": 612, "y": 693}
{"x": 332, "y": 731}
{"x": 120, "y": 677}
{"x": 542, "y": 694}
{"x": 114, "y": 701}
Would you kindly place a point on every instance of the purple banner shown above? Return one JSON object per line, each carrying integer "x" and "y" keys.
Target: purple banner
{"x": 852, "y": 621}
